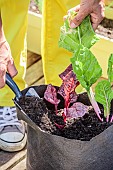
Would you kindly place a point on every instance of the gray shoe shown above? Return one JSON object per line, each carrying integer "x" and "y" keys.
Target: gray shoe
{"x": 12, "y": 131}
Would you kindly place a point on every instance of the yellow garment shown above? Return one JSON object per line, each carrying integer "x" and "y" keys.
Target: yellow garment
{"x": 14, "y": 19}
{"x": 55, "y": 59}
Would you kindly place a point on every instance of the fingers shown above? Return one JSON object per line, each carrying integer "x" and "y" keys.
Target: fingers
{"x": 81, "y": 14}
{"x": 96, "y": 19}
{"x": 11, "y": 68}
{"x": 93, "y": 8}
{"x": 6, "y": 63}
{"x": 2, "y": 75}
{"x": 77, "y": 20}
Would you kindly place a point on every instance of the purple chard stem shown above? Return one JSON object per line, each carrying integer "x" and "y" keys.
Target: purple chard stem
{"x": 94, "y": 104}
{"x": 111, "y": 111}
{"x": 56, "y": 109}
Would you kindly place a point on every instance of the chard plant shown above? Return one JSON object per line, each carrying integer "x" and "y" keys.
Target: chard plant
{"x": 85, "y": 65}
{"x": 67, "y": 91}
{"x": 104, "y": 92}
{"x": 87, "y": 70}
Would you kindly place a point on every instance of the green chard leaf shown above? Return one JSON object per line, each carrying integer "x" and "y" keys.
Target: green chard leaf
{"x": 71, "y": 38}
{"x": 104, "y": 95}
{"x": 110, "y": 69}
{"x": 86, "y": 67}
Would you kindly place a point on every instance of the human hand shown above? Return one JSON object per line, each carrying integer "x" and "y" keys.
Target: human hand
{"x": 6, "y": 62}
{"x": 93, "y": 7}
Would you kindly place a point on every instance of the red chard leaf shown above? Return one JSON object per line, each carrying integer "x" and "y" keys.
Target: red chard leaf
{"x": 68, "y": 87}
{"x": 61, "y": 91}
{"x": 77, "y": 110}
{"x": 70, "y": 82}
{"x": 63, "y": 74}
{"x": 51, "y": 96}
{"x": 73, "y": 97}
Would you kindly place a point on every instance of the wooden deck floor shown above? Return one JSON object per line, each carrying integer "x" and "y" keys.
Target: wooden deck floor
{"x": 34, "y": 76}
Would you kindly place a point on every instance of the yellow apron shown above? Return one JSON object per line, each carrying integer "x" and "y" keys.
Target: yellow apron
{"x": 55, "y": 59}
{"x": 14, "y": 18}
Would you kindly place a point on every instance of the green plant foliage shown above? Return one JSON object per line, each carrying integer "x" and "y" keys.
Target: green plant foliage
{"x": 71, "y": 38}
{"x": 110, "y": 69}
{"x": 85, "y": 65}
{"x": 104, "y": 95}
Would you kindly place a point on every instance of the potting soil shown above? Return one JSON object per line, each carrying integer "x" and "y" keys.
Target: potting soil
{"x": 43, "y": 115}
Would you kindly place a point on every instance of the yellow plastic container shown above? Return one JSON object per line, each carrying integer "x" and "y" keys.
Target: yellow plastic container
{"x": 109, "y": 13}
{"x": 34, "y": 32}
{"x": 102, "y": 50}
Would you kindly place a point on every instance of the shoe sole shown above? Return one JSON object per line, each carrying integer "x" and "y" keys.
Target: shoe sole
{"x": 13, "y": 147}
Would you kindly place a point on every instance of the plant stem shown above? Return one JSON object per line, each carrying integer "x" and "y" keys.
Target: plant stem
{"x": 107, "y": 118}
{"x": 79, "y": 35}
{"x": 111, "y": 111}
{"x": 56, "y": 109}
{"x": 94, "y": 103}
{"x": 111, "y": 119}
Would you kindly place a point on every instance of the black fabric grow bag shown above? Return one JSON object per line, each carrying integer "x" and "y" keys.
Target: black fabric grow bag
{"x": 51, "y": 152}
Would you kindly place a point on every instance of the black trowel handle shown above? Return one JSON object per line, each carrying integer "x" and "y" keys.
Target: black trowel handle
{"x": 13, "y": 86}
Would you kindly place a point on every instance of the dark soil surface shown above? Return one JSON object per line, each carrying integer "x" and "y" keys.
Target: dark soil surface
{"x": 42, "y": 113}
{"x": 106, "y": 28}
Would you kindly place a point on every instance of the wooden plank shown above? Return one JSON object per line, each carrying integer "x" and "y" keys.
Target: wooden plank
{"x": 10, "y": 159}
{"x": 29, "y": 53}
{"x": 20, "y": 166}
{"x": 34, "y": 73}
{"x": 32, "y": 58}
{"x": 39, "y": 82}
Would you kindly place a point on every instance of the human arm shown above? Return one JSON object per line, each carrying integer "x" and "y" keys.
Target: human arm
{"x": 6, "y": 60}
{"x": 94, "y": 8}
